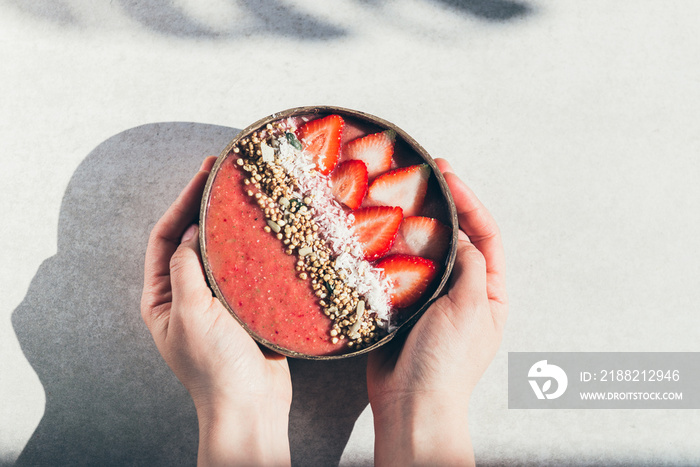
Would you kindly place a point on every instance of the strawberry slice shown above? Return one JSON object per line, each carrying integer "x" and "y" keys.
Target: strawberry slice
{"x": 375, "y": 150}
{"x": 321, "y": 139}
{"x": 349, "y": 181}
{"x": 422, "y": 236}
{"x": 409, "y": 277}
{"x": 404, "y": 187}
{"x": 375, "y": 228}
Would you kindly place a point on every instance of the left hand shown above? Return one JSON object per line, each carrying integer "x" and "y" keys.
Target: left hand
{"x": 229, "y": 377}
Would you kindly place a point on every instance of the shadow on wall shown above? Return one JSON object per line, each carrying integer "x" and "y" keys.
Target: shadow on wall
{"x": 256, "y": 17}
{"x": 110, "y": 398}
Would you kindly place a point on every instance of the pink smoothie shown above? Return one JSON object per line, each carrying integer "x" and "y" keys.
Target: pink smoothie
{"x": 256, "y": 276}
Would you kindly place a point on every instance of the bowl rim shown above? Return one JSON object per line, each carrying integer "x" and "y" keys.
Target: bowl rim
{"x": 320, "y": 110}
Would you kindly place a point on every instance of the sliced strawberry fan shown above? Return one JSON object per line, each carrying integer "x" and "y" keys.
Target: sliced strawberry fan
{"x": 409, "y": 278}
{"x": 376, "y": 228}
{"x": 321, "y": 139}
{"x": 422, "y": 236}
{"x": 349, "y": 183}
{"x": 405, "y": 187}
{"x": 375, "y": 150}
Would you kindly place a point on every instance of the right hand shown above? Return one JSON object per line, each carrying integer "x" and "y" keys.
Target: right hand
{"x": 419, "y": 388}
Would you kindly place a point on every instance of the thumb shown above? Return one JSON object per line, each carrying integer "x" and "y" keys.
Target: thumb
{"x": 186, "y": 272}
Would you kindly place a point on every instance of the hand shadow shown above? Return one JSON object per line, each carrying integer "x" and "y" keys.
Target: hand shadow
{"x": 110, "y": 398}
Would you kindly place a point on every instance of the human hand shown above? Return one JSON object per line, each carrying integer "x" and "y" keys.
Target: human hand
{"x": 419, "y": 388}
{"x": 242, "y": 393}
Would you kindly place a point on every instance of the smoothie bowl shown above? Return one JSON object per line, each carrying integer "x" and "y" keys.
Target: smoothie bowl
{"x": 326, "y": 231}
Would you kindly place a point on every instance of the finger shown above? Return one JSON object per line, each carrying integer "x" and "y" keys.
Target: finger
{"x": 183, "y": 211}
{"x": 483, "y": 233}
{"x": 477, "y": 223}
{"x": 444, "y": 166}
{"x": 164, "y": 240}
{"x": 208, "y": 163}
{"x": 468, "y": 275}
{"x": 186, "y": 273}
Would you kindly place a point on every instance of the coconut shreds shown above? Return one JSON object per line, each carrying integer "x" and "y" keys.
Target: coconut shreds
{"x": 335, "y": 227}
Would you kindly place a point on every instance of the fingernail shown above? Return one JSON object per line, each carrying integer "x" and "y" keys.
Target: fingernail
{"x": 189, "y": 233}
